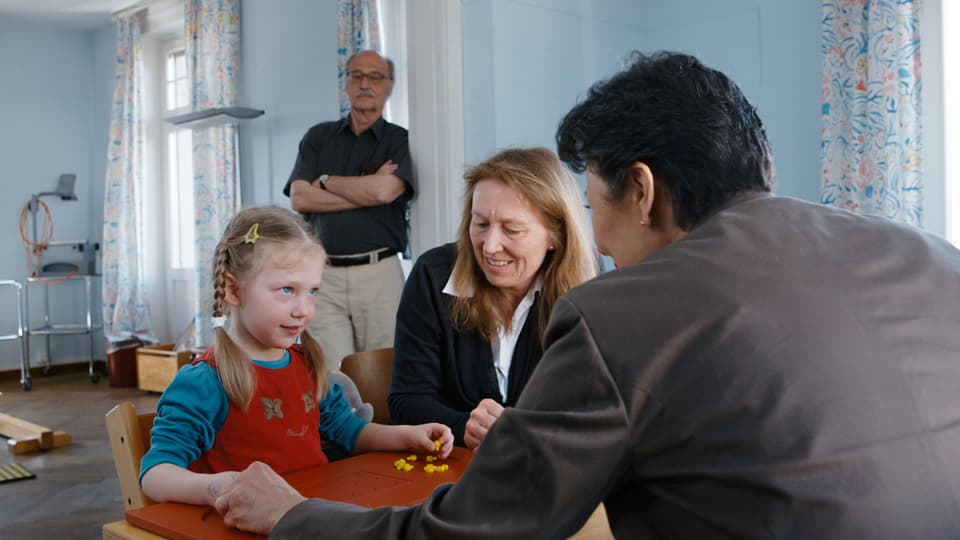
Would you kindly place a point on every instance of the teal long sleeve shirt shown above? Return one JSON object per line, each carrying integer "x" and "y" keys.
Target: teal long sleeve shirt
{"x": 194, "y": 407}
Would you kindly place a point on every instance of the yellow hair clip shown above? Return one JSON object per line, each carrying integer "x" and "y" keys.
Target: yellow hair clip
{"x": 252, "y": 235}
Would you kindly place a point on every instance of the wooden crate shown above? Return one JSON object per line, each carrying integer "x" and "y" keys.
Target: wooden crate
{"x": 158, "y": 364}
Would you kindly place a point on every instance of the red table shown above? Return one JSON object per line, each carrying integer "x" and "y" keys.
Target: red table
{"x": 368, "y": 480}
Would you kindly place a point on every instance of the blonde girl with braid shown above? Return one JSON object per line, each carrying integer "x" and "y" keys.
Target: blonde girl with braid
{"x": 261, "y": 393}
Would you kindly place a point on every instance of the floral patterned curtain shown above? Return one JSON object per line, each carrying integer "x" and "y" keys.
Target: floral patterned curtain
{"x": 359, "y": 29}
{"x": 213, "y": 61}
{"x": 871, "y": 138}
{"x": 125, "y": 308}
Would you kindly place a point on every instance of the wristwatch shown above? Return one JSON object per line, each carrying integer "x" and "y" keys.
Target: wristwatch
{"x": 323, "y": 180}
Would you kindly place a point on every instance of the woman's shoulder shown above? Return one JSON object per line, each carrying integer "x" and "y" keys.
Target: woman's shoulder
{"x": 438, "y": 260}
{"x": 445, "y": 252}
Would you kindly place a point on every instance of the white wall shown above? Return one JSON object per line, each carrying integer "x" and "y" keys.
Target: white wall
{"x": 104, "y": 50}
{"x": 934, "y": 116}
{"x": 289, "y": 69}
{"x": 526, "y": 62}
{"x": 49, "y": 127}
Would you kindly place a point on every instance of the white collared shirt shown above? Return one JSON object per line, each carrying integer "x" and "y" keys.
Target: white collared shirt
{"x": 506, "y": 342}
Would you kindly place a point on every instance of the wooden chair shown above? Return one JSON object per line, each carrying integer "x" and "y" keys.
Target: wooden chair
{"x": 129, "y": 434}
{"x": 372, "y": 372}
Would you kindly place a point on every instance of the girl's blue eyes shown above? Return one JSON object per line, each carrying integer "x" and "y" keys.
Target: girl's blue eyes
{"x": 289, "y": 290}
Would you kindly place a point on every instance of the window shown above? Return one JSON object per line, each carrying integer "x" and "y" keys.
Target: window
{"x": 179, "y": 163}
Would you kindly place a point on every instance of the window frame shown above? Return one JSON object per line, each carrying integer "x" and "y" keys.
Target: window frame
{"x": 180, "y": 256}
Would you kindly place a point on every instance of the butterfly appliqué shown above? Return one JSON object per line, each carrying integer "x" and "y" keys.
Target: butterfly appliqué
{"x": 272, "y": 408}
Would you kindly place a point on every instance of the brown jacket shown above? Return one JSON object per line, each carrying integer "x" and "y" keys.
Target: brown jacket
{"x": 786, "y": 370}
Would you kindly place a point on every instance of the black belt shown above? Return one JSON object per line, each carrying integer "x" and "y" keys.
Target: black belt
{"x": 366, "y": 258}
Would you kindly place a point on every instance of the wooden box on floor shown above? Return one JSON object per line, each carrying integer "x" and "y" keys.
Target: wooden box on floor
{"x": 158, "y": 364}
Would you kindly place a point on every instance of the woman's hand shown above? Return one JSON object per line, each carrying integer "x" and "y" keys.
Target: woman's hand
{"x": 257, "y": 499}
{"x": 481, "y": 420}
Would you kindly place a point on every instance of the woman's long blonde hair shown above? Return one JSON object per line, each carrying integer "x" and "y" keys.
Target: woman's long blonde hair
{"x": 539, "y": 177}
{"x": 277, "y": 230}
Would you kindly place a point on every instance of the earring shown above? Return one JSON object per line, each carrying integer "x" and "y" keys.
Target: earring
{"x": 643, "y": 222}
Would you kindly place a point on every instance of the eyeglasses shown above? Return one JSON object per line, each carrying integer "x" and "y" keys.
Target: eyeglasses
{"x": 373, "y": 76}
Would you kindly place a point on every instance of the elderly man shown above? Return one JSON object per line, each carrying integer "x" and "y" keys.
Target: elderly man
{"x": 352, "y": 181}
{"x": 756, "y": 366}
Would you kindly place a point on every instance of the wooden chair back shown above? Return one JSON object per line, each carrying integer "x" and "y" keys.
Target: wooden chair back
{"x": 129, "y": 434}
{"x": 372, "y": 372}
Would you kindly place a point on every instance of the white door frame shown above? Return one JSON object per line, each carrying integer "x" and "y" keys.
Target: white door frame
{"x": 435, "y": 75}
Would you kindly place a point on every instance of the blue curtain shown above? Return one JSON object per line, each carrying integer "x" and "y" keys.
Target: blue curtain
{"x": 125, "y": 308}
{"x": 871, "y": 145}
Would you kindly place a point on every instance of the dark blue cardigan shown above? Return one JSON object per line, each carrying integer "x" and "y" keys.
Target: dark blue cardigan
{"x": 440, "y": 374}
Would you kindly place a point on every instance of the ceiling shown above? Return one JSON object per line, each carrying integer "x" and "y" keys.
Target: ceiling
{"x": 67, "y": 14}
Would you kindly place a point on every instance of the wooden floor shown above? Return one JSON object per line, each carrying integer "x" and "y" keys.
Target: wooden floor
{"x": 76, "y": 489}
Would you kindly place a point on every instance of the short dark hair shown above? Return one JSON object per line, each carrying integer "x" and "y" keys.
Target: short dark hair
{"x": 690, "y": 124}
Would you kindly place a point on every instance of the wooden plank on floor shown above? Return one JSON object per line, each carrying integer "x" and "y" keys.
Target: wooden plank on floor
{"x": 23, "y": 446}
{"x": 16, "y": 428}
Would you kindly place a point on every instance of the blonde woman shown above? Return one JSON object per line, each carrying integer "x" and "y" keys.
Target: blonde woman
{"x": 473, "y": 312}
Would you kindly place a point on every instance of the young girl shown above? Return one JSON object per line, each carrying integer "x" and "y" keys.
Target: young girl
{"x": 254, "y": 396}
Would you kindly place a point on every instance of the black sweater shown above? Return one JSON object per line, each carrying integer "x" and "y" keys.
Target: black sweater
{"x": 440, "y": 374}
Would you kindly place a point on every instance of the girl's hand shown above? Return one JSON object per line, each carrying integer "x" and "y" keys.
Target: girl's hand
{"x": 218, "y": 483}
{"x": 421, "y": 437}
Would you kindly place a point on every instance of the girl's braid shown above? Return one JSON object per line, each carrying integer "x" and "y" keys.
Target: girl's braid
{"x": 220, "y": 267}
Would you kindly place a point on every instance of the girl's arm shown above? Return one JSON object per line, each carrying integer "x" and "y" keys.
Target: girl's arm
{"x": 403, "y": 438}
{"x": 340, "y": 425}
{"x": 168, "y": 482}
{"x": 190, "y": 412}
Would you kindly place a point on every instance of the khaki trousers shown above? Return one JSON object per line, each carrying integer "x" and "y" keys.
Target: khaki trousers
{"x": 357, "y": 308}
